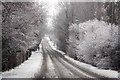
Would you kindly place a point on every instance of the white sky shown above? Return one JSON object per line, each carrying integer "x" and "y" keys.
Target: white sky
{"x": 53, "y": 10}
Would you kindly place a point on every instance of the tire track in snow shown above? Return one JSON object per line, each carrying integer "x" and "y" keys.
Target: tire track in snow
{"x": 61, "y": 70}
{"x": 55, "y": 56}
{"x": 51, "y": 69}
{"x": 43, "y": 70}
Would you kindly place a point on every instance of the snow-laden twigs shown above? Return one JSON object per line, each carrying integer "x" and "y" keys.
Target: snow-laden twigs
{"x": 94, "y": 42}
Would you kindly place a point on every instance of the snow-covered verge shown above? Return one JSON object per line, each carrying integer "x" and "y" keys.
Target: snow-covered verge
{"x": 52, "y": 44}
{"x": 26, "y": 69}
{"x": 94, "y": 42}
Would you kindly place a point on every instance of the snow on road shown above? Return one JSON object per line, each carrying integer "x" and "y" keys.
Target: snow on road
{"x": 27, "y": 69}
{"x": 105, "y": 73}
{"x": 101, "y": 72}
{"x": 51, "y": 69}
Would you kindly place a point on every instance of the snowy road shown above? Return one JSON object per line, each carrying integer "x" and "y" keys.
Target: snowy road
{"x": 55, "y": 65}
{"x": 48, "y": 62}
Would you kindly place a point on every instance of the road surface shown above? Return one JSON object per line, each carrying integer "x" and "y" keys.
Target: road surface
{"x": 55, "y": 65}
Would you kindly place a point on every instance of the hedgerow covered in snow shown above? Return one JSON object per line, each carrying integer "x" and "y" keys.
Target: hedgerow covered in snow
{"x": 94, "y": 42}
{"x": 28, "y": 69}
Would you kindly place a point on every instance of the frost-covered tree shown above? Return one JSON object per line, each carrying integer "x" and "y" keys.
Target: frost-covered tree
{"x": 22, "y": 26}
{"x": 91, "y": 41}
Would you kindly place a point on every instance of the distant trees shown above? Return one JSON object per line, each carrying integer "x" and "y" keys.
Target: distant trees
{"x": 112, "y": 12}
{"x": 22, "y": 30}
{"x": 108, "y": 11}
{"x": 82, "y": 11}
{"x": 61, "y": 24}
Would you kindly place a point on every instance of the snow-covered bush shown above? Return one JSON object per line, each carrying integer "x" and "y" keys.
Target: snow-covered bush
{"x": 93, "y": 41}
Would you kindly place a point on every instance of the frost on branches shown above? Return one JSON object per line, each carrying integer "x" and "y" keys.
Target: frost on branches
{"x": 94, "y": 42}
